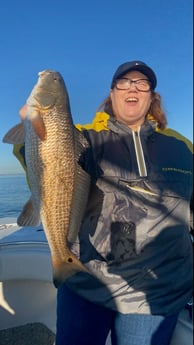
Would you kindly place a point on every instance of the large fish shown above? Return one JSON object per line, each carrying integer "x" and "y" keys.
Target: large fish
{"x": 59, "y": 185}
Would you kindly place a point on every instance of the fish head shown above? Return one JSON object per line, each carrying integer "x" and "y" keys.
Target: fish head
{"x": 49, "y": 91}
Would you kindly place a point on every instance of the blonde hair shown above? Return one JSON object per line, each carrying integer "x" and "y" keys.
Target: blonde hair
{"x": 155, "y": 113}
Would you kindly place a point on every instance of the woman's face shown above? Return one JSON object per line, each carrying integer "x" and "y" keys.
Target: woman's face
{"x": 131, "y": 106}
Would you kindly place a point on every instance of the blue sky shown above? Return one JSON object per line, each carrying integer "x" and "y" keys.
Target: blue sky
{"x": 86, "y": 41}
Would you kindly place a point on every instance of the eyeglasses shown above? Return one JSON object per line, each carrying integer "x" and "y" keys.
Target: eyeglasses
{"x": 140, "y": 84}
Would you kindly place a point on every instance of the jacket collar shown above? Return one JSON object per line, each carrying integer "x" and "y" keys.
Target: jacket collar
{"x": 147, "y": 129}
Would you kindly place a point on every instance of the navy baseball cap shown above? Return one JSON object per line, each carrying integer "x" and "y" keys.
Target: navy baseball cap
{"x": 135, "y": 66}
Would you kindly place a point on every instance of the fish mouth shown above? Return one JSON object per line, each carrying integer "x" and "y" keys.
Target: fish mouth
{"x": 47, "y": 76}
{"x": 45, "y": 71}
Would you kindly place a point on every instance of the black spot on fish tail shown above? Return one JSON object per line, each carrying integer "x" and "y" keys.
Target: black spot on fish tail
{"x": 63, "y": 270}
{"x": 70, "y": 260}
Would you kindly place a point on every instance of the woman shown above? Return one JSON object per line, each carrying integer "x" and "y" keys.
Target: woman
{"x": 134, "y": 237}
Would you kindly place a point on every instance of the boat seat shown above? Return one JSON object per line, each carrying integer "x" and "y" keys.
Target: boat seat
{"x": 25, "y": 260}
{"x": 27, "y": 292}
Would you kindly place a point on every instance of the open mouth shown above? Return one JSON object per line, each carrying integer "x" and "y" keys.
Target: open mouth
{"x": 131, "y": 99}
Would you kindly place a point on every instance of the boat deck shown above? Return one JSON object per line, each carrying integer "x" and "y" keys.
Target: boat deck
{"x": 29, "y": 334}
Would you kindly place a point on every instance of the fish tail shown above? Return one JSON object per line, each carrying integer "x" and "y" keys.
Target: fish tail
{"x": 66, "y": 268}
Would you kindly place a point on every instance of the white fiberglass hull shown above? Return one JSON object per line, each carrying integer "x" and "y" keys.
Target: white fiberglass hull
{"x": 27, "y": 293}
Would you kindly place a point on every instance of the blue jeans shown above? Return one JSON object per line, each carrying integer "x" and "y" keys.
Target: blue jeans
{"x": 80, "y": 322}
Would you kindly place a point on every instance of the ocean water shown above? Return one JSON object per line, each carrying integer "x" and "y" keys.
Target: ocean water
{"x": 14, "y": 193}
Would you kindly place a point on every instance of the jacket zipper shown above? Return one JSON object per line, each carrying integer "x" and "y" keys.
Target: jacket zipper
{"x": 139, "y": 153}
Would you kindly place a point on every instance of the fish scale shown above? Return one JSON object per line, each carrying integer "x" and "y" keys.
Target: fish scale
{"x": 59, "y": 185}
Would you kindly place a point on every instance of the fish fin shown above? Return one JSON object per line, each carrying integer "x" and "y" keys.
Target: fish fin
{"x": 79, "y": 202}
{"x": 16, "y": 135}
{"x": 22, "y": 112}
{"x": 80, "y": 139}
{"x": 81, "y": 187}
{"x": 81, "y": 146}
{"x": 63, "y": 270}
{"x": 38, "y": 125}
{"x": 29, "y": 216}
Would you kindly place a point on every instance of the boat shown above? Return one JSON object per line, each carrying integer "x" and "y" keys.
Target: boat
{"x": 27, "y": 293}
